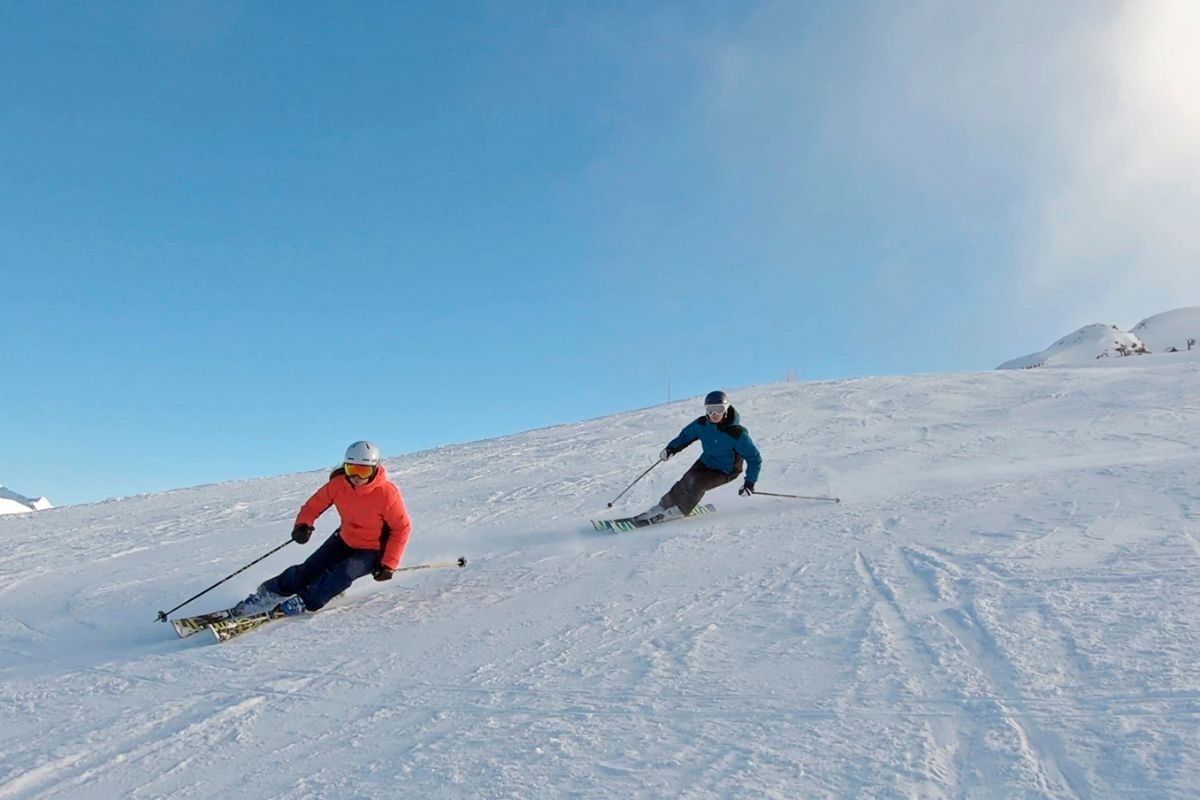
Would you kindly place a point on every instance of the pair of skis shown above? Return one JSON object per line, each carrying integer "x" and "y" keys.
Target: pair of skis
{"x": 625, "y": 524}
{"x": 223, "y": 625}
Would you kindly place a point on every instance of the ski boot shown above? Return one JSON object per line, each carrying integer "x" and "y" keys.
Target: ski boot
{"x": 257, "y": 602}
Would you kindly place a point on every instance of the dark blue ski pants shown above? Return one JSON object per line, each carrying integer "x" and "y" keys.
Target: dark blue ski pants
{"x": 325, "y": 574}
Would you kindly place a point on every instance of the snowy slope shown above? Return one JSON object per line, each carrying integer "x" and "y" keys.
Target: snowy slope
{"x": 1004, "y": 605}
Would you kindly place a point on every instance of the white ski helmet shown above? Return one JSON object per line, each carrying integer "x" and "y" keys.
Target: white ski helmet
{"x": 363, "y": 453}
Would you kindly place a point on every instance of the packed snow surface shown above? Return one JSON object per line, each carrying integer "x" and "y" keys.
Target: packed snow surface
{"x": 1005, "y": 604}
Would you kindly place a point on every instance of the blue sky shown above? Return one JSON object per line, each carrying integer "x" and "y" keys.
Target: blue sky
{"x": 236, "y": 237}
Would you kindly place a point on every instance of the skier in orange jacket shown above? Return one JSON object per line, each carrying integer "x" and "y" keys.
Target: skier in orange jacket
{"x": 371, "y": 539}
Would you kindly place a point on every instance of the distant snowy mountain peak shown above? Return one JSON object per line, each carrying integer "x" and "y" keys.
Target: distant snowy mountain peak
{"x": 13, "y": 503}
{"x": 1088, "y": 343}
{"x": 1171, "y": 331}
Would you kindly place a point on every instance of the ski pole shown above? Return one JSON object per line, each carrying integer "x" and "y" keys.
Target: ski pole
{"x": 461, "y": 561}
{"x": 162, "y": 615}
{"x": 635, "y": 480}
{"x": 799, "y": 496}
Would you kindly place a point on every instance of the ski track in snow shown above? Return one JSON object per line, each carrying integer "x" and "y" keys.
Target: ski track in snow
{"x": 1004, "y": 605}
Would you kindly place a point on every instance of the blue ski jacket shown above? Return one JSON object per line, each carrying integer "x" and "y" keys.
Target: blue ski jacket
{"x": 725, "y": 444}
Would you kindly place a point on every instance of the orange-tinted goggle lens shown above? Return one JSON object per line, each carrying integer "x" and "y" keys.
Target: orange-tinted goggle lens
{"x": 359, "y": 470}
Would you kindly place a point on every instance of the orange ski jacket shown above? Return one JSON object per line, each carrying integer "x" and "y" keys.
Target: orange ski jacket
{"x": 366, "y": 513}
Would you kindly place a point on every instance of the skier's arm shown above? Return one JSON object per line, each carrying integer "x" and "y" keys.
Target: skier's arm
{"x": 401, "y": 526}
{"x": 745, "y": 446}
{"x": 316, "y": 505}
{"x": 686, "y": 436}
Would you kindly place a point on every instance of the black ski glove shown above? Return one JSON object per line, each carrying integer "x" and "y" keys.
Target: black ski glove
{"x": 667, "y": 453}
{"x": 747, "y": 488}
{"x": 382, "y": 573}
{"x": 302, "y": 533}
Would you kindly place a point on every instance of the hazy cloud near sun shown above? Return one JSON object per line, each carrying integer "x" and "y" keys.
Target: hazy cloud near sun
{"x": 1069, "y": 132}
{"x": 1094, "y": 107}
{"x": 1116, "y": 224}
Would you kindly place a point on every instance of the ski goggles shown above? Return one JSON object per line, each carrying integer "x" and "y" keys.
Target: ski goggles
{"x": 359, "y": 470}
{"x": 717, "y": 410}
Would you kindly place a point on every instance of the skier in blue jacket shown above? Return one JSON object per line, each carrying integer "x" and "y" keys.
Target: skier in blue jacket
{"x": 727, "y": 447}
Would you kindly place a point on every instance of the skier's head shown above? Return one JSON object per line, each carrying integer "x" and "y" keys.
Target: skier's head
{"x": 362, "y": 460}
{"x": 715, "y": 405}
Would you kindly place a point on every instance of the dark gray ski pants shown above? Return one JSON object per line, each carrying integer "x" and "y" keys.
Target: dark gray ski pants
{"x": 689, "y": 490}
